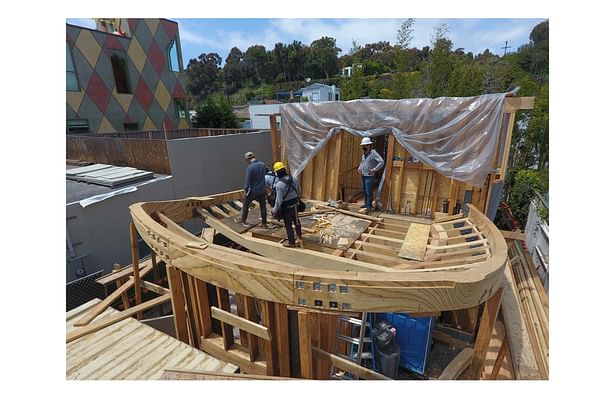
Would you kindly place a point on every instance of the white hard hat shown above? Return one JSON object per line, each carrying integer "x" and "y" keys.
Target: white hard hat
{"x": 366, "y": 141}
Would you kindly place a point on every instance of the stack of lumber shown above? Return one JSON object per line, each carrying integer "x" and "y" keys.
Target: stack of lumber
{"x": 534, "y": 304}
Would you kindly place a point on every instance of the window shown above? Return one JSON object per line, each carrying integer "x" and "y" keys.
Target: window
{"x": 180, "y": 108}
{"x": 72, "y": 84}
{"x": 173, "y": 54}
{"x": 330, "y": 96}
{"x": 120, "y": 72}
{"x": 316, "y": 96}
{"x": 131, "y": 126}
{"x": 77, "y": 126}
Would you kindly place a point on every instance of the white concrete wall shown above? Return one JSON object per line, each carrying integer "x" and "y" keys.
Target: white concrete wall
{"x": 199, "y": 166}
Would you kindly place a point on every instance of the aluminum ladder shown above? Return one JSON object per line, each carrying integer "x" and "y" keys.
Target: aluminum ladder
{"x": 359, "y": 344}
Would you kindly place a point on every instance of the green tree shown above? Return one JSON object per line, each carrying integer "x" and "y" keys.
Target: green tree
{"x": 526, "y": 182}
{"x": 355, "y": 87}
{"x": 202, "y": 75}
{"x": 440, "y": 63}
{"x": 297, "y": 60}
{"x": 234, "y": 72}
{"x": 323, "y": 57}
{"x": 215, "y": 112}
{"x": 254, "y": 60}
{"x": 404, "y": 34}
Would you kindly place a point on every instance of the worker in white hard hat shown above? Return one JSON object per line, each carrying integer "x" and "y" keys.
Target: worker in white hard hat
{"x": 371, "y": 162}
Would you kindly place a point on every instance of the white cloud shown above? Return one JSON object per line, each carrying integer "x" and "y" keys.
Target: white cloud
{"x": 83, "y": 22}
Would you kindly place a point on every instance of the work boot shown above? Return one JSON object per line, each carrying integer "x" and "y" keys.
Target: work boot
{"x": 239, "y": 221}
{"x": 288, "y": 244}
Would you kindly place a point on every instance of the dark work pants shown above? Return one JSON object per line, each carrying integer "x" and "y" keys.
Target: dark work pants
{"x": 290, "y": 217}
{"x": 262, "y": 202}
{"x": 368, "y": 182}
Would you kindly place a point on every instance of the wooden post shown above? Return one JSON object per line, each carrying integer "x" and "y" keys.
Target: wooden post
{"x": 240, "y": 301}
{"x": 452, "y": 196}
{"x": 227, "y": 330}
{"x": 509, "y": 131}
{"x": 305, "y": 345}
{"x": 275, "y": 146}
{"x": 504, "y": 351}
{"x": 134, "y": 245}
{"x": 270, "y": 346}
{"x": 402, "y": 171}
{"x": 178, "y": 304}
{"x": 125, "y": 302}
{"x": 281, "y": 338}
{"x": 388, "y": 172}
{"x": 194, "y": 324}
{"x": 434, "y": 193}
{"x": 250, "y": 308}
{"x": 487, "y": 322}
{"x": 203, "y": 307}
{"x": 336, "y": 167}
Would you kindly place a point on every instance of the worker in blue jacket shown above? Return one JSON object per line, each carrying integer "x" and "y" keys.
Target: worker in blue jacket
{"x": 254, "y": 189}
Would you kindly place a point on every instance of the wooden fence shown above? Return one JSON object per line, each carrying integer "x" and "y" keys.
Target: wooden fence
{"x": 171, "y": 134}
{"x": 146, "y": 150}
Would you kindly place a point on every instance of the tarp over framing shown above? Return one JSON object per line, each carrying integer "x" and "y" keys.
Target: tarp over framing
{"x": 457, "y": 136}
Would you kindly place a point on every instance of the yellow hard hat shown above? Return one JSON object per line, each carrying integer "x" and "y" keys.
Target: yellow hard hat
{"x": 278, "y": 166}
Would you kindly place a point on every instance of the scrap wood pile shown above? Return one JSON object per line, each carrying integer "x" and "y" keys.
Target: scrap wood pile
{"x": 534, "y": 304}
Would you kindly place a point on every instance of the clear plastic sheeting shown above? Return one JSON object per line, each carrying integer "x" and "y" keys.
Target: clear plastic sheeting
{"x": 457, "y": 136}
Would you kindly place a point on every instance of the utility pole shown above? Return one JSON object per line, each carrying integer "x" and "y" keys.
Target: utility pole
{"x": 506, "y": 46}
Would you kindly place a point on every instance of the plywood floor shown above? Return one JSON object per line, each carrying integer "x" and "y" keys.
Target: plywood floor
{"x": 130, "y": 350}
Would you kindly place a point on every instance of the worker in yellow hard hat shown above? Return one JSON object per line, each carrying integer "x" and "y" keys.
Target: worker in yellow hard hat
{"x": 287, "y": 198}
{"x": 371, "y": 162}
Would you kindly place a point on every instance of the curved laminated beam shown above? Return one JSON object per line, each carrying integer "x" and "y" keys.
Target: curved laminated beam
{"x": 313, "y": 279}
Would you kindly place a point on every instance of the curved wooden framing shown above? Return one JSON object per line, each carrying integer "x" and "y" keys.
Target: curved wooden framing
{"x": 319, "y": 280}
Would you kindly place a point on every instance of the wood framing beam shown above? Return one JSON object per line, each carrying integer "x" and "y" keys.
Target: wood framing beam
{"x": 388, "y": 172}
{"x": 102, "y": 306}
{"x": 487, "y": 322}
{"x": 214, "y": 346}
{"x": 110, "y": 320}
{"x": 458, "y": 365}
{"x": 134, "y": 251}
{"x": 349, "y": 366}
{"x": 227, "y": 329}
{"x": 512, "y": 104}
{"x": 194, "y": 374}
{"x": 503, "y": 352}
{"x": 118, "y": 285}
{"x": 269, "y": 346}
{"x": 244, "y": 324}
{"x": 251, "y": 314}
{"x": 123, "y": 272}
{"x": 203, "y": 307}
{"x": 178, "y": 303}
{"x": 305, "y": 345}
{"x": 275, "y": 141}
{"x": 281, "y": 337}
{"x": 509, "y": 133}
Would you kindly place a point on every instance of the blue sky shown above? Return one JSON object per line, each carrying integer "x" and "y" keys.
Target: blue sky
{"x": 220, "y": 35}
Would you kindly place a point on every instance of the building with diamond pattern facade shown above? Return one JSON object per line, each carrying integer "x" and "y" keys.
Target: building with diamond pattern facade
{"x": 127, "y": 74}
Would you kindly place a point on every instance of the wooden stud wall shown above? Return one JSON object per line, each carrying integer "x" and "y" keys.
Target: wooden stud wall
{"x": 333, "y": 167}
{"x": 412, "y": 188}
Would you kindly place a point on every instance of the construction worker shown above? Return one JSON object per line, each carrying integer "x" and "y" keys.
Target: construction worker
{"x": 371, "y": 162}
{"x": 287, "y": 194}
{"x": 254, "y": 189}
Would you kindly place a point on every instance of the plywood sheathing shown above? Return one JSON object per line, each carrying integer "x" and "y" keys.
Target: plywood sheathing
{"x": 130, "y": 350}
